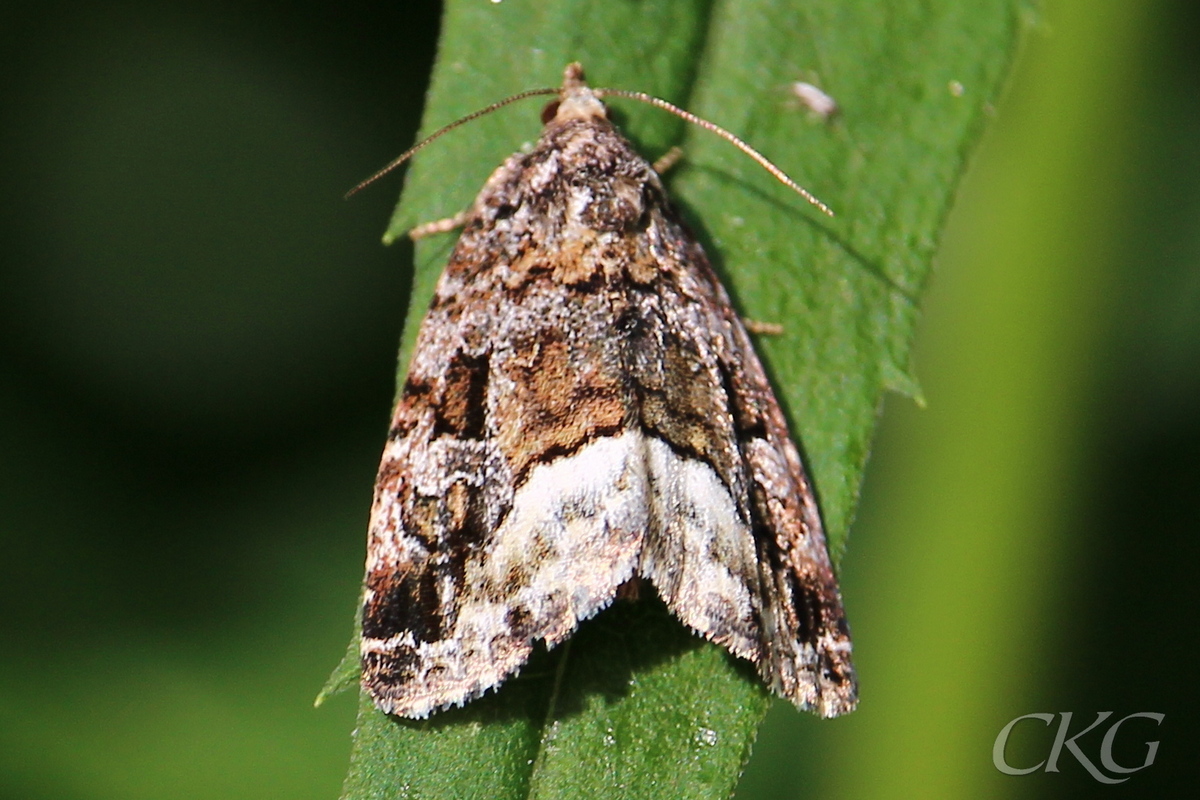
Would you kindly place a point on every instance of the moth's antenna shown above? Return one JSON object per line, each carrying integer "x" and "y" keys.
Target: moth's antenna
{"x": 762, "y": 160}
{"x": 410, "y": 152}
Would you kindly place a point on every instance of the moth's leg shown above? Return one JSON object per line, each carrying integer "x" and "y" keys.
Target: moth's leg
{"x": 439, "y": 226}
{"x": 763, "y": 328}
{"x": 668, "y": 160}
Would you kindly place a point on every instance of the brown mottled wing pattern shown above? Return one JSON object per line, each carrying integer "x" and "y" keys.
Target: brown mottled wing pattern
{"x": 718, "y": 409}
{"x": 806, "y": 641}
{"x": 583, "y": 406}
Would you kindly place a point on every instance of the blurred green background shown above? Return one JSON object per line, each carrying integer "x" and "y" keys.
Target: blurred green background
{"x": 197, "y": 346}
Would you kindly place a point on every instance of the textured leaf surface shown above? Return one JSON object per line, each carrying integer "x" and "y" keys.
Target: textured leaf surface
{"x": 634, "y": 706}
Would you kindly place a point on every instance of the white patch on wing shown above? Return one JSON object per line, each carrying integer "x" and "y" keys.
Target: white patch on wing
{"x": 573, "y": 535}
{"x": 702, "y": 558}
{"x": 578, "y": 528}
{"x": 540, "y": 176}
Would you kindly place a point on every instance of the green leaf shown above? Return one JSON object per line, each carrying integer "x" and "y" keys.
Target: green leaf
{"x": 634, "y": 705}
{"x": 346, "y": 674}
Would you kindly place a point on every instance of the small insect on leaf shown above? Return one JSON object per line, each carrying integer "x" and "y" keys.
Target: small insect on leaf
{"x": 584, "y": 411}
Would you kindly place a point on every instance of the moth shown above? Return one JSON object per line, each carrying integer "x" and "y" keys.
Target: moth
{"x": 584, "y": 409}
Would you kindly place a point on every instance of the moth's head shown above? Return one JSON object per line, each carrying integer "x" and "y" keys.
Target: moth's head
{"x": 575, "y": 100}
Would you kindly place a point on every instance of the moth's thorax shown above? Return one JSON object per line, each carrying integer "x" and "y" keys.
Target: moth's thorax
{"x": 604, "y": 185}
{"x": 581, "y": 205}
{"x": 581, "y": 188}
